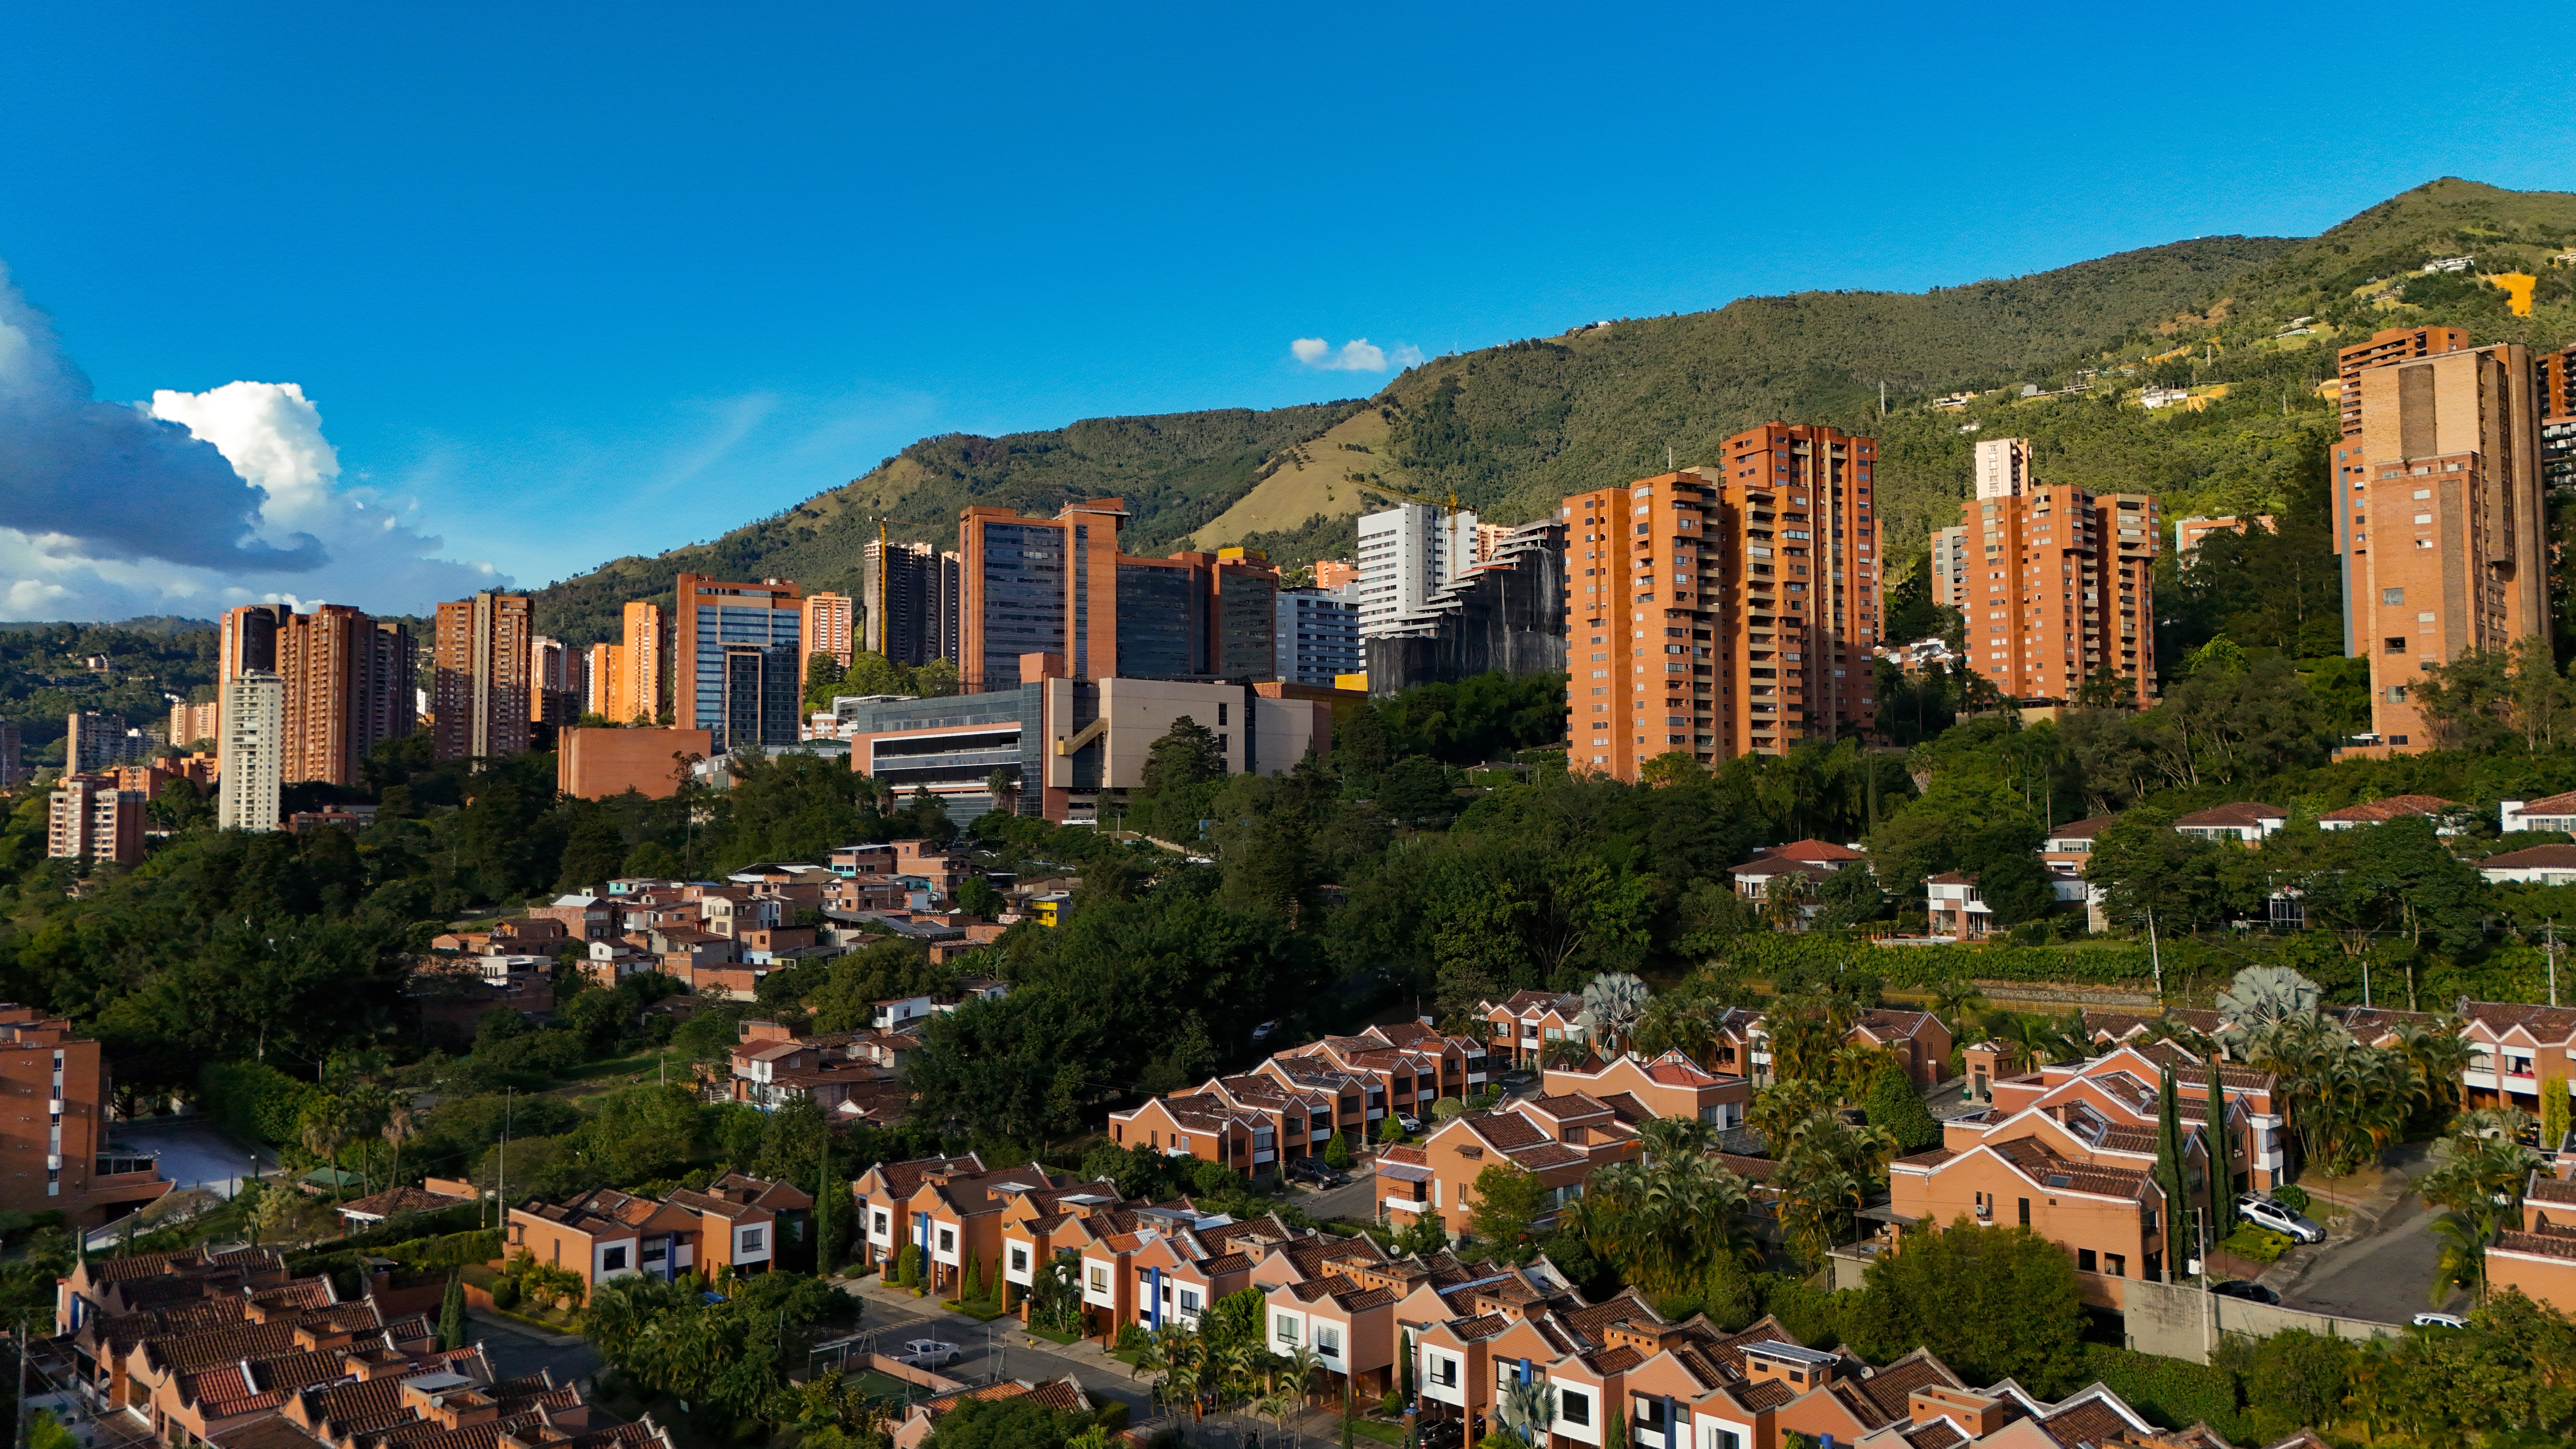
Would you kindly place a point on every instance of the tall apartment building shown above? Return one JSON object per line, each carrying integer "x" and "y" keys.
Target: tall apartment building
{"x": 738, "y": 663}
{"x": 89, "y": 818}
{"x": 11, "y": 770}
{"x": 1331, "y": 574}
{"x": 829, "y": 626}
{"x": 1948, "y": 567}
{"x": 2394, "y": 344}
{"x": 1724, "y": 610}
{"x": 67, "y": 1162}
{"x": 95, "y": 741}
{"x": 2002, "y": 467}
{"x": 245, "y": 642}
{"x": 2060, "y": 588}
{"x": 479, "y": 683}
{"x": 2439, "y": 514}
{"x": 1318, "y": 635}
{"x": 1061, "y": 586}
{"x": 251, "y": 748}
{"x": 559, "y": 679}
{"x": 908, "y": 595}
{"x": 1406, "y": 554}
{"x": 645, "y": 667}
{"x": 190, "y": 723}
{"x": 348, "y": 683}
{"x": 603, "y": 681}
{"x": 2553, "y": 384}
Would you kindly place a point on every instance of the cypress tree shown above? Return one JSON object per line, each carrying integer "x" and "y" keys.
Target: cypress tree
{"x": 1405, "y": 1383}
{"x": 827, "y": 1255}
{"x": 973, "y": 1289}
{"x": 2222, "y": 1161}
{"x": 2169, "y": 1175}
{"x": 451, "y": 1312}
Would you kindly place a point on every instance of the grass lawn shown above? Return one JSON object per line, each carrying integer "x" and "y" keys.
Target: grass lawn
{"x": 1371, "y": 1429}
{"x": 633, "y": 1066}
{"x": 982, "y": 1310}
{"x": 1051, "y": 1336}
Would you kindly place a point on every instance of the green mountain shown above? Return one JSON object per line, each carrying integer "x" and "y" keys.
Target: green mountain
{"x": 1510, "y": 429}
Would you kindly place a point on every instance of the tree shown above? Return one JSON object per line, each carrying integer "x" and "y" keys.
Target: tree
{"x": 827, "y": 1246}
{"x": 1021, "y": 1423}
{"x": 1990, "y": 1301}
{"x": 1896, "y": 1108}
{"x": 1337, "y": 1151}
{"x": 1186, "y": 755}
{"x": 2171, "y": 1173}
{"x": 1509, "y": 1200}
{"x": 451, "y": 1312}
{"x": 1612, "y": 1003}
{"x": 2222, "y": 1159}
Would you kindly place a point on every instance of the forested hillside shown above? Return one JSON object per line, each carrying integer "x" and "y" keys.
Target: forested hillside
{"x": 1513, "y": 428}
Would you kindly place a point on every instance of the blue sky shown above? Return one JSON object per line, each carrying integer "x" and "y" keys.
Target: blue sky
{"x": 560, "y": 283}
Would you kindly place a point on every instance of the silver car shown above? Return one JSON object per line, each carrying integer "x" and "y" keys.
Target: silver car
{"x": 2264, "y": 1211}
{"x": 928, "y": 1353}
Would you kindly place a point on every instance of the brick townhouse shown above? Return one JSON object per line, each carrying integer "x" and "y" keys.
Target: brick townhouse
{"x": 1560, "y": 1139}
{"x": 952, "y": 1209}
{"x": 1520, "y": 1030}
{"x": 2122, "y": 1084}
{"x": 2078, "y": 1184}
{"x": 2539, "y": 1258}
{"x": 1671, "y": 1085}
{"x": 56, "y": 1148}
{"x": 230, "y": 1349}
{"x": 738, "y": 1224}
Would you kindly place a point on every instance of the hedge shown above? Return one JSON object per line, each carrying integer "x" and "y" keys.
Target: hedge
{"x": 252, "y": 1100}
{"x": 1901, "y": 966}
{"x": 2171, "y": 1392}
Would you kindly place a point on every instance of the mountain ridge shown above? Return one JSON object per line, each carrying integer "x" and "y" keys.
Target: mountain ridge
{"x": 1514, "y": 426}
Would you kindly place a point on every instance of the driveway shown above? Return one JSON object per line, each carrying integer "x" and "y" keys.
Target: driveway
{"x": 2383, "y": 1272}
{"x": 1356, "y": 1199}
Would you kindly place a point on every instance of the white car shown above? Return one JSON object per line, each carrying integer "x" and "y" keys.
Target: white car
{"x": 2440, "y": 1320}
{"x": 928, "y": 1353}
{"x": 2279, "y": 1219}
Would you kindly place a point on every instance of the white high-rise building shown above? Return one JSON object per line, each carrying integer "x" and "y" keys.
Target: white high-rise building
{"x": 1406, "y": 554}
{"x": 254, "y": 740}
{"x": 2003, "y": 468}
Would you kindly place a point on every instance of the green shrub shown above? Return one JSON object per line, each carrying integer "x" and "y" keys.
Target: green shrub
{"x": 1112, "y": 1416}
{"x": 2293, "y": 1198}
{"x": 1130, "y": 1338}
{"x": 2170, "y": 1392}
{"x": 505, "y": 1292}
{"x": 1337, "y": 1153}
{"x": 2260, "y": 1245}
{"x": 249, "y": 1099}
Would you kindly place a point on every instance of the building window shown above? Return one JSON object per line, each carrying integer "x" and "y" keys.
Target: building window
{"x": 2392, "y": 596}
{"x": 1444, "y": 1371}
{"x": 2084, "y": 1261}
{"x": 1099, "y": 1280}
{"x": 1328, "y": 1340}
{"x": 2116, "y": 1264}
{"x": 2393, "y": 644}
{"x": 2025, "y": 1212}
{"x": 1284, "y": 1328}
{"x": 880, "y": 1224}
{"x": 1190, "y": 1300}
{"x": 613, "y": 1260}
{"x": 1019, "y": 1260}
{"x": 947, "y": 1240}
{"x": 751, "y": 1238}
{"x": 1574, "y": 1408}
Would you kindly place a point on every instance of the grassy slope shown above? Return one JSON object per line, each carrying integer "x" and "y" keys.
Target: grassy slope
{"x": 1513, "y": 428}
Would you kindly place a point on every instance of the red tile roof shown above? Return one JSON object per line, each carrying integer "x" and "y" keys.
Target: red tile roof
{"x": 2240, "y": 813}
{"x": 2375, "y": 811}
{"x": 2535, "y": 857}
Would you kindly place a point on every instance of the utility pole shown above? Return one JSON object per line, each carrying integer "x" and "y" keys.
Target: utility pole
{"x": 2155, "y": 956}
{"x": 18, "y": 1428}
{"x": 2553, "y": 960}
{"x": 1882, "y": 397}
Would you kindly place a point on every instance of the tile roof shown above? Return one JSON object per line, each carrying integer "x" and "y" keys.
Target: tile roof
{"x": 2544, "y": 1023}
{"x": 2535, "y": 857}
{"x": 2048, "y": 1169}
{"x": 400, "y": 1200}
{"x": 1813, "y": 849}
{"x": 2239, "y": 813}
{"x": 2090, "y": 828}
{"x": 2551, "y": 805}
{"x": 2550, "y": 1189}
{"x": 2544, "y": 1245}
{"x": 2089, "y": 1422}
{"x": 2375, "y": 811}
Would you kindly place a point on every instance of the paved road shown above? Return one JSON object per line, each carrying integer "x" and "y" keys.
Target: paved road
{"x": 193, "y": 1152}
{"x": 2385, "y": 1275}
{"x": 515, "y": 1351}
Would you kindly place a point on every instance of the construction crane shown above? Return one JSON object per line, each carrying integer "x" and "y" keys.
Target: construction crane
{"x": 1448, "y": 509}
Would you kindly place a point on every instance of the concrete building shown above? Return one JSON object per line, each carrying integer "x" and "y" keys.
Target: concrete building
{"x": 190, "y": 723}
{"x": 593, "y": 764}
{"x": 1407, "y": 553}
{"x": 480, "y": 686}
{"x": 1333, "y": 574}
{"x": 2438, "y": 513}
{"x": 11, "y": 771}
{"x": 739, "y": 661}
{"x": 1068, "y": 743}
{"x": 1505, "y": 613}
{"x": 625, "y": 679}
{"x": 252, "y": 749}
{"x": 89, "y": 818}
{"x": 1061, "y": 587}
{"x": 909, "y": 597}
{"x": 2002, "y": 468}
{"x": 560, "y": 676}
{"x": 95, "y": 741}
{"x": 2553, "y": 384}
{"x": 2062, "y": 589}
{"x": 830, "y": 626}
{"x": 1317, "y": 636}
{"x": 1947, "y": 569}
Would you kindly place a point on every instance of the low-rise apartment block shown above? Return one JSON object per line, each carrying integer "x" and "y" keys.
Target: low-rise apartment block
{"x": 738, "y": 1224}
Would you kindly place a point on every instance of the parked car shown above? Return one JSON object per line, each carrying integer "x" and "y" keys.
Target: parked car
{"x": 927, "y": 1353}
{"x": 2267, "y": 1213}
{"x": 1317, "y": 1171}
{"x": 2250, "y": 1292}
{"x": 1409, "y": 1124}
{"x": 2440, "y": 1320}
{"x": 1264, "y": 1031}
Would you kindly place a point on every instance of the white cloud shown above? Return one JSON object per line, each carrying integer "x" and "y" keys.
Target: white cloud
{"x": 271, "y": 435}
{"x": 1357, "y": 355}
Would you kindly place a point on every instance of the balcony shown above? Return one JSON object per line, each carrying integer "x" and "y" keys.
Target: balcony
{"x": 1398, "y": 1202}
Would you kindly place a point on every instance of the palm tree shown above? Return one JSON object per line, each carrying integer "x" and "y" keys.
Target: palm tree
{"x": 1674, "y": 1137}
{"x": 1953, "y": 997}
{"x": 1528, "y": 1406}
{"x": 1303, "y": 1363}
{"x": 325, "y": 1132}
{"x": 1784, "y": 900}
{"x": 2464, "y": 1257}
{"x": 1612, "y": 1003}
{"x": 397, "y": 1130}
